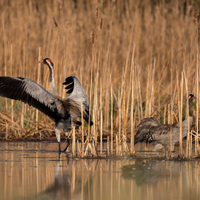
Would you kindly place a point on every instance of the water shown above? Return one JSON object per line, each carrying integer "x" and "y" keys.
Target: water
{"x": 31, "y": 170}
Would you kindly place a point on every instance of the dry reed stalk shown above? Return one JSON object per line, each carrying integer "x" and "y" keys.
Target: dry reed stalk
{"x": 106, "y": 73}
{"x": 73, "y": 141}
{"x": 60, "y": 82}
{"x": 23, "y": 70}
{"x": 124, "y": 123}
{"x": 11, "y": 59}
{"x": 5, "y": 53}
{"x": 197, "y": 102}
{"x": 101, "y": 118}
{"x": 121, "y": 102}
{"x": 128, "y": 102}
{"x": 79, "y": 152}
{"x": 187, "y": 115}
{"x": 95, "y": 112}
{"x": 169, "y": 121}
{"x": 82, "y": 122}
{"x": 12, "y": 101}
{"x": 147, "y": 94}
{"x": 179, "y": 111}
{"x": 119, "y": 121}
{"x": 64, "y": 75}
{"x": 107, "y": 106}
{"x": 111, "y": 116}
{"x": 152, "y": 89}
{"x": 98, "y": 92}
{"x": 133, "y": 132}
{"x": 140, "y": 102}
{"x": 132, "y": 149}
{"x": 6, "y": 131}
{"x": 90, "y": 108}
{"x": 12, "y": 113}
{"x": 117, "y": 146}
{"x": 22, "y": 116}
{"x": 108, "y": 148}
{"x": 180, "y": 117}
{"x": 38, "y": 81}
{"x": 165, "y": 111}
{"x": 171, "y": 102}
{"x": 138, "y": 94}
{"x": 125, "y": 112}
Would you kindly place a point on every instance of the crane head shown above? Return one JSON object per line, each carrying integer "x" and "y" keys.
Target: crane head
{"x": 48, "y": 62}
{"x": 191, "y": 97}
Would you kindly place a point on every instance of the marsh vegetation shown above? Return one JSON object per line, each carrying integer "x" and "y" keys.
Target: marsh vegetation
{"x": 135, "y": 59}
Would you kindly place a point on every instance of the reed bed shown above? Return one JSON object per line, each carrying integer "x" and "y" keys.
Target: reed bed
{"x": 134, "y": 59}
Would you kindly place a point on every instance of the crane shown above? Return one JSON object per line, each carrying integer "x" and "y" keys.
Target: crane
{"x": 150, "y": 130}
{"x": 64, "y": 112}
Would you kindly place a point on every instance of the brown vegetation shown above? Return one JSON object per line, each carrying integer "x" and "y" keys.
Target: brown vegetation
{"x": 144, "y": 52}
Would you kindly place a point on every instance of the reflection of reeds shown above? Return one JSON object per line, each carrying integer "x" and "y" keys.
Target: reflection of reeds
{"x": 93, "y": 179}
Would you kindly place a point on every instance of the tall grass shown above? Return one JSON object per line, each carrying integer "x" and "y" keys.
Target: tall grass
{"x": 144, "y": 47}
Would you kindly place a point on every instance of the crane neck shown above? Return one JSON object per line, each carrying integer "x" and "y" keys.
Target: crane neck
{"x": 190, "y": 108}
{"x": 52, "y": 87}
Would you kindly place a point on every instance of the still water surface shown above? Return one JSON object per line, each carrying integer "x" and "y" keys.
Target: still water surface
{"x": 33, "y": 171}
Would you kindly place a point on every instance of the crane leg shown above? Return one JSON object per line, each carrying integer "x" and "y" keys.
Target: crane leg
{"x": 67, "y": 135}
{"x": 67, "y": 145}
{"x": 58, "y": 132}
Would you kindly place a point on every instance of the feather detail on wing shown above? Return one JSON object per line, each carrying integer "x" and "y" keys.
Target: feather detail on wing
{"x": 29, "y": 92}
{"x": 74, "y": 99}
{"x": 150, "y": 130}
{"x": 143, "y": 130}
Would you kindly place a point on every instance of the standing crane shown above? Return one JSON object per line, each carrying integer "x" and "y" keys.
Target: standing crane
{"x": 64, "y": 112}
{"x": 150, "y": 130}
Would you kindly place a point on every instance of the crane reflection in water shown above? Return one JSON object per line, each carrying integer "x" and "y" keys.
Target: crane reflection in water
{"x": 62, "y": 187}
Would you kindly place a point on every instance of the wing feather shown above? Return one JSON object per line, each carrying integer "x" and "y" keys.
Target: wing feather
{"x": 29, "y": 92}
{"x": 144, "y": 132}
{"x": 74, "y": 86}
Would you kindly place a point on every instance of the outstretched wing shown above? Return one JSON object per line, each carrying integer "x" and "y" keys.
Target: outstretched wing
{"x": 74, "y": 89}
{"x": 29, "y": 92}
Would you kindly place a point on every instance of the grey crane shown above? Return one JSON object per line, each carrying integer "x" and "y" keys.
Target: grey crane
{"x": 150, "y": 130}
{"x": 63, "y": 112}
